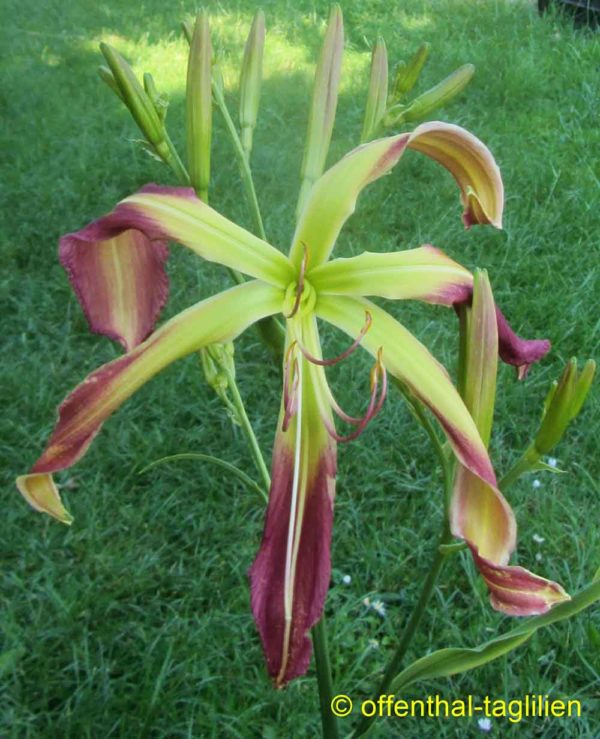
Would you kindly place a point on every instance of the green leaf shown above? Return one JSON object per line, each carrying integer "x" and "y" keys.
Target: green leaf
{"x": 246, "y": 479}
{"x": 453, "y": 661}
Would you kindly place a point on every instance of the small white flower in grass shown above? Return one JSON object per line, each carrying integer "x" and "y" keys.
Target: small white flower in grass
{"x": 485, "y": 724}
{"x": 346, "y": 579}
{"x": 536, "y": 484}
{"x": 552, "y": 462}
{"x": 538, "y": 539}
{"x": 539, "y": 557}
{"x": 373, "y": 644}
{"x": 379, "y": 607}
{"x": 367, "y": 602}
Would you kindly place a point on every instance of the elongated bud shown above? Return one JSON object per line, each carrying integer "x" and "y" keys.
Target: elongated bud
{"x": 439, "y": 95}
{"x": 378, "y": 91}
{"x": 251, "y": 80}
{"x": 160, "y": 102}
{"x": 563, "y": 404}
{"x": 480, "y": 361}
{"x": 199, "y": 106}
{"x": 324, "y": 104}
{"x": 136, "y": 99}
{"x": 408, "y": 74}
{"x": 107, "y": 76}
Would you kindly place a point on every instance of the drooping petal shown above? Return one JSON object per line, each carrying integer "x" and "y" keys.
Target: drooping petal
{"x": 218, "y": 319}
{"x": 425, "y": 274}
{"x": 482, "y": 517}
{"x": 407, "y": 359}
{"x": 479, "y": 513}
{"x": 176, "y": 214}
{"x": 333, "y": 197}
{"x": 521, "y": 353}
{"x": 120, "y": 282}
{"x": 290, "y": 575}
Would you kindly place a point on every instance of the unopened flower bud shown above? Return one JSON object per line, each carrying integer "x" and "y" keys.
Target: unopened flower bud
{"x": 378, "y": 90}
{"x": 324, "y": 104}
{"x": 408, "y": 74}
{"x": 251, "y": 80}
{"x": 199, "y": 106}
{"x": 160, "y": 102}
{"x": 107, "y": 76}
{"x": 439, "y": 95}
{"x": 137, "y": 100}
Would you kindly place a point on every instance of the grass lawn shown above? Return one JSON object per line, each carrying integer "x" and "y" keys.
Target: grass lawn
{"x": 136, "y": 621}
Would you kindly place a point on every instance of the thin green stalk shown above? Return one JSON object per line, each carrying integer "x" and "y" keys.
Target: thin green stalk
{"x": 324, "y": 681}
{"x": 270, "y": 329}
{"x": 244, "y": 165}
{"x": 174, "y": 161}
{"x": 525, "y": 464}
{"x": 246, "y": 426}
{"x": 411, "y": 627}
{"x": 440, "y": 555}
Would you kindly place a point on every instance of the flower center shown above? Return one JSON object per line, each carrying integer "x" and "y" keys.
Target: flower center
{"x": 300, "y": 298}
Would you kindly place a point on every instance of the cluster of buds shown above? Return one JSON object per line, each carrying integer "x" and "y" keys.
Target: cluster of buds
{"x": 390, "y": 110}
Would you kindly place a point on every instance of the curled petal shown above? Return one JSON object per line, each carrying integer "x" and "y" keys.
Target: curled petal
{"x": 482, "y": 517}
{"x": 479, "y": 513}
{"x": 81, "y": 415}
{"x": 521, "y": 353}
{"x": 120, "y": 281}
{"x": 290, "y": 575}
{"x": 333, "y": 197}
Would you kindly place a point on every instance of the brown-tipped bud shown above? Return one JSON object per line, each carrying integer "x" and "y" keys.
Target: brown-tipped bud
{"x": 136, "y": 98}
{"x": 439, "y": 95}
{"x": 251, "y": 80}
{"x": 408, "y": 74}
{"x": 199, "y": 106}
{"x": 563, "y": 404}
{"x": 324, "y": 104}
{"x": 107, "y": 76}
{"x": 378, "y": 91}
{"x": 160, "y": 102}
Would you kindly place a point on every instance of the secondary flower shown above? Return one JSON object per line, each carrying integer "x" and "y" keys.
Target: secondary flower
{"x": 116, "y": 266}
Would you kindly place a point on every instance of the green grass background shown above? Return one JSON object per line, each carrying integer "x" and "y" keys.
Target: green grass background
{"x": 136, "y": 621}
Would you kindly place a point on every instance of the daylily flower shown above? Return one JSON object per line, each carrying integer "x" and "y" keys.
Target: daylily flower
{"x": 479, "y": 513}
{"x": 116, "y": 265}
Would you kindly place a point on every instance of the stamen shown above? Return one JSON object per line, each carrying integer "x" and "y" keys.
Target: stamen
{"x": 375, "y": 404}
{"x": 344, "y": 354}
{"x": 300, "y": 287}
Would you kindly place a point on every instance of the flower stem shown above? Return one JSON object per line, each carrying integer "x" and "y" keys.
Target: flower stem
{"x": 525, "y": 464}
{"x": 439, "y": 557}
{"x": 243, "y": 163}
{"x": 270, "y": 329}
{"x": 244, "y": 421}
{"x": 324, "y": 681}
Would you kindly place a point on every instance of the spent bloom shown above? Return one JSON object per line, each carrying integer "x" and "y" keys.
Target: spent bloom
{"x": 117, "y": 268}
